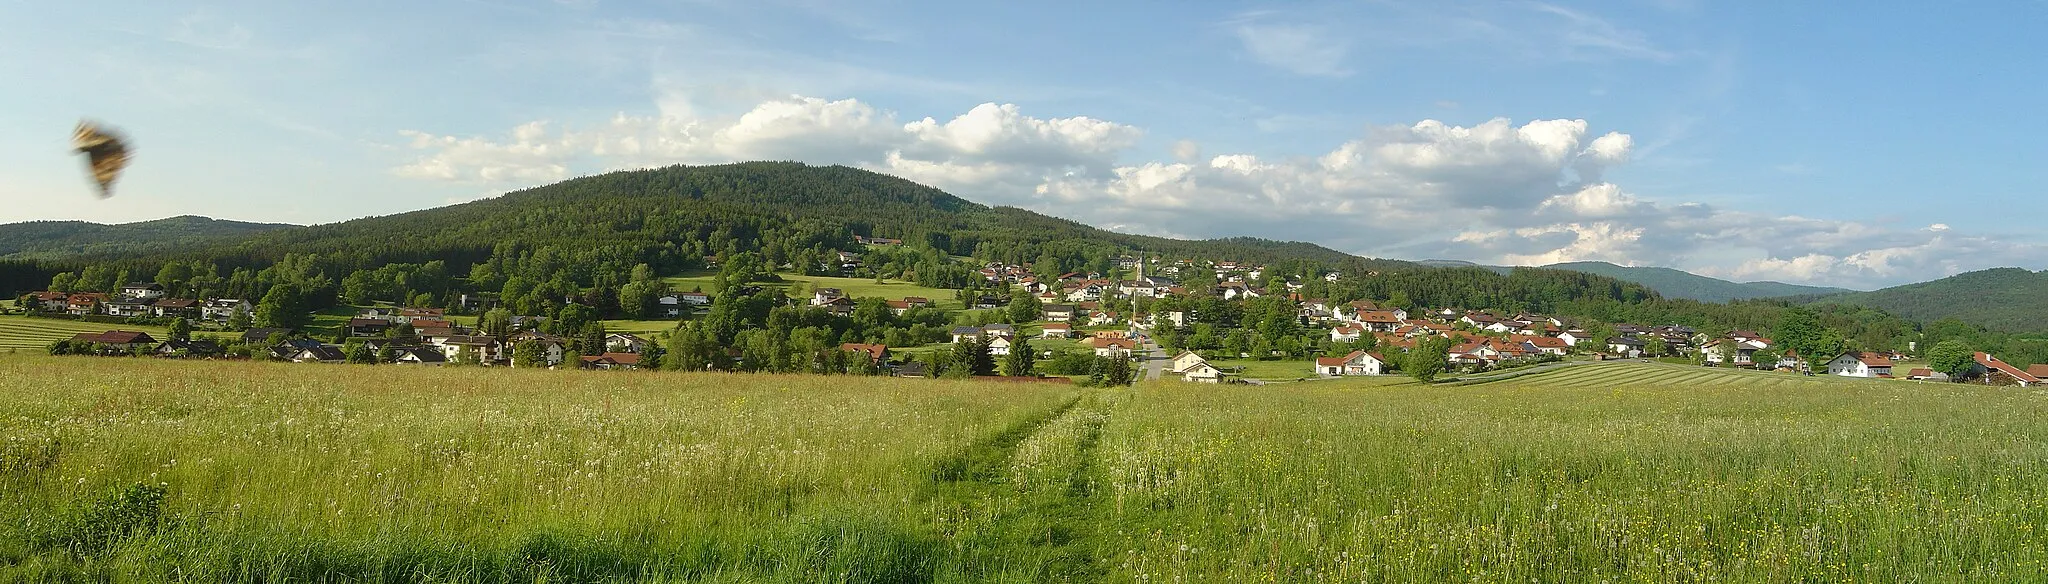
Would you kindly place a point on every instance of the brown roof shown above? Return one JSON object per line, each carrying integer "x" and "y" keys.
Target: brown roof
{"x": 176, "y": 303}
{"x": 1105, "y": 343}
{"x": 1990, "y": 362}
{"x": 874, "y": 352}
{"x": 115, "y": 337}
{"x": 1329, "y": 361}
{"x": 1920, "y": 372}
{"x": 2037, "y": 370}
{"x": 1380, "y": 316}
{"x": 614, "y": 358}
{"x": 426, "y": 323}
{"x": 1870, "y": 359}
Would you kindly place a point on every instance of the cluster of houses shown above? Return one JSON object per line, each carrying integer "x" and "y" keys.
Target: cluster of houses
{"x": 838, "y": 303}
{"x": 139, "y": 300}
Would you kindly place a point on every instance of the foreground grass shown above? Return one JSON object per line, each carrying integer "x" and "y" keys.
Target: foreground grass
{"x": 147, "y": 471}
{"x": 273, "y": 472}
{"x": 1598, "y": 473}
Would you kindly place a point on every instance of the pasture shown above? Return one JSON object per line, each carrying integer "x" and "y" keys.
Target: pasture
{"x": 146, "y": 470}
{"x": 34, "y": 335}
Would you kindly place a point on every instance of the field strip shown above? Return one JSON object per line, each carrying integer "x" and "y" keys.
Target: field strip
{"x": 1031, "y": 487}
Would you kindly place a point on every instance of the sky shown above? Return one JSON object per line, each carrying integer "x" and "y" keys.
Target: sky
{"x": 1858, "y": 146}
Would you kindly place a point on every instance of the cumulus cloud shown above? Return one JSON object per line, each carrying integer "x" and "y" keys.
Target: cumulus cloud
{"x": 1499, "y": 192}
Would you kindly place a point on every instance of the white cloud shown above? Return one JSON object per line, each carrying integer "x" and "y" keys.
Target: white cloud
{"x": 1498, "y": 192}
{"x": 1307, "y": 50}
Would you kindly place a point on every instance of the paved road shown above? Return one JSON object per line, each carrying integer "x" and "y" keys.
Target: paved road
{"x": 1153, "y": 365}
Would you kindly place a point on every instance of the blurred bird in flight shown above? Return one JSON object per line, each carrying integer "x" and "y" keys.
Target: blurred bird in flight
{"x": 106, "y": 154}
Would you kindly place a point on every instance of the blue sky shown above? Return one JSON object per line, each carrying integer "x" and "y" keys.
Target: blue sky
{"x": 1796, "y": 142}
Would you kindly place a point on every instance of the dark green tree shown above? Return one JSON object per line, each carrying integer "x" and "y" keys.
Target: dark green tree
{"x": 1428, "y": 359}
{"x": 1952, "y": 357}
{"x": 1020, "y": 362}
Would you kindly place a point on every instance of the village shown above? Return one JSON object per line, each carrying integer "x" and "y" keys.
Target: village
{"x": 1108, "y": 317}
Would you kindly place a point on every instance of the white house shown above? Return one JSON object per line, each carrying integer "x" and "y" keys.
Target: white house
{"x": 1345, "y": 333}
{"x": 1573, "y": 337}
{"x": 1186, "y": 360}
{"x": 1743, "y": 350}
{"x": 1202, "y": 373}
{"x": 1860, "y": 364}
{"x": 1625, "y": 347}
{"x": 1356, "y": 363}
{"x": 222, "y": 309}
{"x": 998, "y": 345}
{"x": 1056, "y": 330}
{"x": 142, "y": 291}
{"x": 1112, "y": 347}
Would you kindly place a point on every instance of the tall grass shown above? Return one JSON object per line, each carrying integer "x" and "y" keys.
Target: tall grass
{"x": 143, "y": 470}
{"x": 1582, "y": 475}
{"x": 279, "y": 472}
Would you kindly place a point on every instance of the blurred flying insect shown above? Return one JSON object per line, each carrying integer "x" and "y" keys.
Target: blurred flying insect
{"x": 106, "y": 154}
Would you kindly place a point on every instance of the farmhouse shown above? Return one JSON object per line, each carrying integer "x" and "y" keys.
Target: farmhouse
{"x": 319, "y": 353}
{"x": 1356, "y": 363}
{"x": 877, "y": 354}
{"x": 1626, "y": 347}
{"x": 1860, "y": 364}
{"x": 420, "y": 356}
{"x": 188, "y": 348}
{"x": 1112, "y": 347}
{"x": 123, "y": 341}
{"x": 1996, "y": 372}
{"x": 1184, "y": 361}
{"x": 174, "y": 308}
{"x": 1056, "y": 330}
{"x": 142, "y": 291}
{"x": 610, "y": 361}
{"x": 553, "y": 349}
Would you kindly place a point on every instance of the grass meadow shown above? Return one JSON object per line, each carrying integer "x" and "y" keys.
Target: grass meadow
{"x": 143, "y": 470}
{"x": 34, "y": 335}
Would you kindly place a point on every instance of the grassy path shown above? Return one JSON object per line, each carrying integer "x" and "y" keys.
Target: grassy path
{"x": 1021, "y": 506}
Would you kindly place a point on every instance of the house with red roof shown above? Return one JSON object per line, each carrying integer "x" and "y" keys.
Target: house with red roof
{"x": 1356, "y": 363}
{"x": 1860, "y": 364}
{"x": 1996, "y": 372}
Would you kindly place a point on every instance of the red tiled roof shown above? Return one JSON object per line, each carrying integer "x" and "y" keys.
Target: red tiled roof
{"x": 1990, "y": 362}
{"x": 874, "y": 352}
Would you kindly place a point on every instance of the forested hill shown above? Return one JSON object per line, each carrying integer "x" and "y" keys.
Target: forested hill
{"x": 671, "y": 217}
{"x": 735, "y": 204}
{"x": 2004, "y": 299}
{"x": 47, "y": 240}
{"x": 1678, "y": 284}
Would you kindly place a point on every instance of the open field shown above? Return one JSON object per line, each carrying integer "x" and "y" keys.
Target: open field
{"x": 1283, "y": 369}
{"x": 853, "y": 287}
{"x": 21, "y": 333}
{"x": 131, "y": 468}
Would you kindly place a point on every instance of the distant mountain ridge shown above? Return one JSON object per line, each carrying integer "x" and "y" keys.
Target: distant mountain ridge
{"x": 1680, "y": 284}
{"x": 2004, "y": 299}
{"x": 66, "y": 239}
{"x": 1669, "y": 282}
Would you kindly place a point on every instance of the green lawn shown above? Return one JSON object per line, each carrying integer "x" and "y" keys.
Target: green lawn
{"x": 639, "y": 327}
{"x": 853, "y": 287}
{"x": 22, "y": 333}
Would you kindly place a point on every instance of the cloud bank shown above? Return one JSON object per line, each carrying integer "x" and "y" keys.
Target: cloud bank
{"x": 1495, "y": 192}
